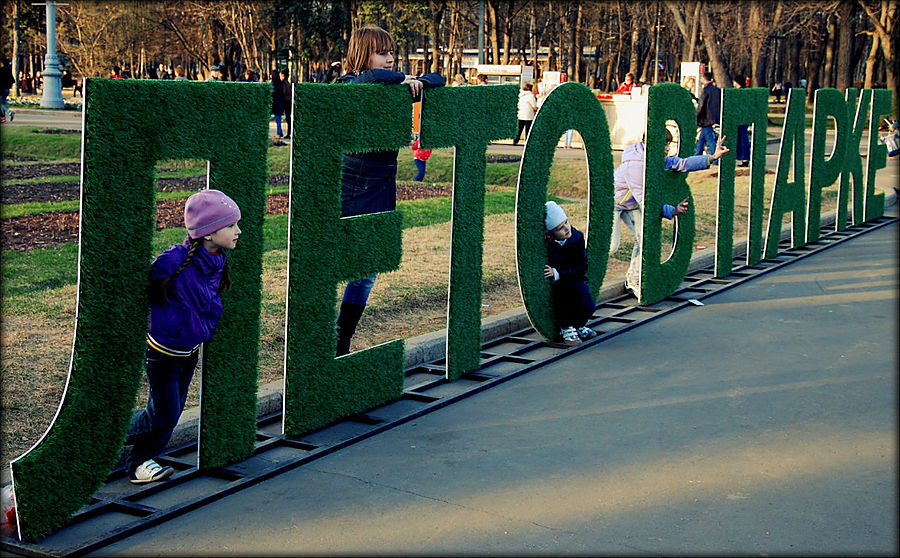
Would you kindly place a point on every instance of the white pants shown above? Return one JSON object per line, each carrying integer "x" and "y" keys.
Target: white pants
{"x": 634, "y": 220}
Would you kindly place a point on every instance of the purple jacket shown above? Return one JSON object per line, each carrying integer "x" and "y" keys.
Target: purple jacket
{"x": 188, "y": 315}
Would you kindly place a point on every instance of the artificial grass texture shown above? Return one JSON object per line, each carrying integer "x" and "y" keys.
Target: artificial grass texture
{"x": 877, "y": 159}
{"x": 750, "y": 107}
{"x": 659, "y": 279}
{"x": 325, "y": 249}
{"x": 790, "y": 196}
{"x": 467, "y": 118}
{"x": 569, "y": 106}
{"x": 222, "y": 123}
{"x": 829, "y": 103}
{"x": 852, "y": 185}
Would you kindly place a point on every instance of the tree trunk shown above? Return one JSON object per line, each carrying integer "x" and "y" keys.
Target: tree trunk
{"x": 757, "y": 37}
{"x": 579, "y": 43}
{"x": 695, "y": 31}
{"x": 870, "y": 61}
{"x": 794, "y": 52}
{"x": 434, "y": 29}
{"x": 494, "y": 32}
{"x": 719, "y": 71}
{"x": 635, "y": 36}
{"x": 845, "y": 37}
{"x": 888, "y": 40}
{"x": 828, "y": 72}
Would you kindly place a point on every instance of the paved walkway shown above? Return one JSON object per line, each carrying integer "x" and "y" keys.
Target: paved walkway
{"x": 764, "y": 422}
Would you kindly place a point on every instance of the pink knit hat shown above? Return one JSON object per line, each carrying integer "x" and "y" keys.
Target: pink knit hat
{"x": 208, "y": 211}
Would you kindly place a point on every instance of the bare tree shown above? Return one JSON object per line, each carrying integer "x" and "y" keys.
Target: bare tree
{"x": 885, "y": 23}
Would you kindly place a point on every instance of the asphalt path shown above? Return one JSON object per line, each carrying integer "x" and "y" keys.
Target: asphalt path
{"x": 762, "y": 423}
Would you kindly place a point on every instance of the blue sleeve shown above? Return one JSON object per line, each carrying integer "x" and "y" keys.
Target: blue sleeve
{"x": 687, "y": 164}
{"x": 432, "y": 80}
{"x": 668, "y": 211}
{"x": 379, "y": 75}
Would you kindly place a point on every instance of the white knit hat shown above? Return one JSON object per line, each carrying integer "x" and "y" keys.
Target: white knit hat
{"x": 555, "y": 215}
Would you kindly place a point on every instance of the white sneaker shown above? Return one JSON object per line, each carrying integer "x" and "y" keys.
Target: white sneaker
{"x": 150, "y": 471}
{"x": 570, "y": 335}
{"x": 586, "y": 333}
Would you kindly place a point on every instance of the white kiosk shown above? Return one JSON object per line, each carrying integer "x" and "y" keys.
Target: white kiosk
{"x": 626, "y": 116}
{"x": 506, "y": 73}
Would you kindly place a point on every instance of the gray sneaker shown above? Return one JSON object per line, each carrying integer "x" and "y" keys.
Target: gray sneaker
{"x": 586, "y": 333}
{"x": 150, "y": 471}
{"x": 569, "y": 335}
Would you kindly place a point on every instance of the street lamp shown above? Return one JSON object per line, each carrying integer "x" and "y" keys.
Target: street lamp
{"x": 51, "y": 91}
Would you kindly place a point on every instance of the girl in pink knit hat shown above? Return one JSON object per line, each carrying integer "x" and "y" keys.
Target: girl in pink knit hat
{"x": 185, "y": 307}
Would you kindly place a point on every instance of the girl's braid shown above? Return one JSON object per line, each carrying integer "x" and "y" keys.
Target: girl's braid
{"x": 159, "y": 289}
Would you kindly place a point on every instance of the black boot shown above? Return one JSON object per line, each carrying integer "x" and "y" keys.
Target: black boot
{"x": 346, "y": 325}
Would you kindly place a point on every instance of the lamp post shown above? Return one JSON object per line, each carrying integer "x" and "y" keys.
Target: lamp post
{"x": 51, "y": 90}
{"x": 656, "y": 45}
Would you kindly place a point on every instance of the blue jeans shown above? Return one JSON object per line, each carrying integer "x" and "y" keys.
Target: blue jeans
{"x": 707, "y": 139}
{"x": 169, "y": 378}
{"x": 420, "y": 176}
{"x": 5, "y": 94}
{"x": 278, "y": 124}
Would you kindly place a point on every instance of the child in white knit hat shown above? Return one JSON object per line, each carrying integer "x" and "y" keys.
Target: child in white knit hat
{"x": 566, "y": 267}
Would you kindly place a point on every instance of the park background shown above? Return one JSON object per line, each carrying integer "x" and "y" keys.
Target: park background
{"x": 830, "y": 44}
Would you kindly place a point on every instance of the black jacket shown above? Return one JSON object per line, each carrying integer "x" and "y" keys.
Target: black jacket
{"x": 710, "y": 105}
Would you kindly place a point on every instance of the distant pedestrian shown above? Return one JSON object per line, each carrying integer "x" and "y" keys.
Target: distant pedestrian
{"x": 420, "y": 157}
{"x": 743, "y": 133}
{"x": 287, "y": 95}
{"x": 179, "y": 73}
{"x": 707, "y": 114}
{"x": 277, "y": 102}
{"x": 528, "y": 107}
{"x": 215, "y": 73}
{"x": 6, "y": 83}
{"x": 777, "y": 90}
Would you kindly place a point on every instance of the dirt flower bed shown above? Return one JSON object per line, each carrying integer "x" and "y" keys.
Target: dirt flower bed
{"x": 48, "y": 229}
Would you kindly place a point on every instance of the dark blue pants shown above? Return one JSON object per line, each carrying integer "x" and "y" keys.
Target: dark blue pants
{"x": 743, "y": 143}
{"x": 151, "y": 428}
{"x": 420, "y": 164}
{"x": 572, "y": 303}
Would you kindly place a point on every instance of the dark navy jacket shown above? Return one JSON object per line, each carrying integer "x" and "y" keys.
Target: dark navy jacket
{"x": 190, "y": 311}
{"x": 572, "y": 301}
